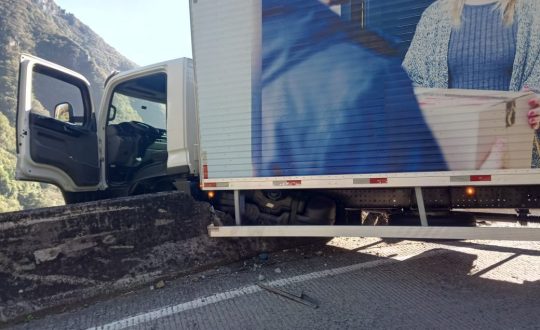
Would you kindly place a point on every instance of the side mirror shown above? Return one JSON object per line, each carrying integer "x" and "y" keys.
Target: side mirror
{"x": 64, "y": 112}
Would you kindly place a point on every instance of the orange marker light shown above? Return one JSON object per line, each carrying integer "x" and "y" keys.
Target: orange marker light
{"x": 470, "y": 191}
{"x": 211, "y": 194}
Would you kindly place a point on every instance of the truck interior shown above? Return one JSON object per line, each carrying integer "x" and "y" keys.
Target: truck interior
{"x": 136, "y": 131}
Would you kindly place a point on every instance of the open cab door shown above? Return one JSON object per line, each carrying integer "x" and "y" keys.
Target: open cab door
{"x": 56, "y": 128}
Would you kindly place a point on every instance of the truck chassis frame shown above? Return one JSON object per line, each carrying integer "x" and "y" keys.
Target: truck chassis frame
{"x": 424, "y": 231}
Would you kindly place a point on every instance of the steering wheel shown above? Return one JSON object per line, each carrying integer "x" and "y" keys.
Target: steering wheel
{"x": 147, "y": 129}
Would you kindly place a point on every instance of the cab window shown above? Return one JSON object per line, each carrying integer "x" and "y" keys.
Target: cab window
{"x": 57, "y": 96}
{"x": 142, "y": 100}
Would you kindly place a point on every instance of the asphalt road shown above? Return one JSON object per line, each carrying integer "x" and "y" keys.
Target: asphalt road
{"x": 356, "y": 283}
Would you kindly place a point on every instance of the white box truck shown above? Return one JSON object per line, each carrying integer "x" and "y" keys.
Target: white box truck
{"x": 296, "y": 118}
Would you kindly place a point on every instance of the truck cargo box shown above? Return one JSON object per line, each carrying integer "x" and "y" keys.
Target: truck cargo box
{"x": 303, "y": 94}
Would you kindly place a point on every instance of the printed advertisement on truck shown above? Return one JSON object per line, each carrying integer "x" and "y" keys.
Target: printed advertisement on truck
{"x": 321, "y": 88}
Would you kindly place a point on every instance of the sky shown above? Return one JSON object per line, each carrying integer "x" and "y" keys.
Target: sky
{"x": 145, "y": 31}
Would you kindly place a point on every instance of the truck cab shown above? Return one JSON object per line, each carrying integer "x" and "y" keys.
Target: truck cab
{"x": 141, "y": 138}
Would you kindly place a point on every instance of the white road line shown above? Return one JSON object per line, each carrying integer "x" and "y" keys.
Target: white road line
{"x": 246, "y": 290}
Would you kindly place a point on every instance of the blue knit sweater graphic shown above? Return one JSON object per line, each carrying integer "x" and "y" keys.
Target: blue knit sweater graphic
{"x": 481, "y": 50}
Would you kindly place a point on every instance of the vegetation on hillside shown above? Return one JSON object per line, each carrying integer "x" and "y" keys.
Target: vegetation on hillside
{"x": 41, "y": 28}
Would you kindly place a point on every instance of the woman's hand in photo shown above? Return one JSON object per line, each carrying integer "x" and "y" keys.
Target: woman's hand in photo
{"x": 533, "y": 116}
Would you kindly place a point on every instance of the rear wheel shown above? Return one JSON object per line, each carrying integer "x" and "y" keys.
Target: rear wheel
{"x": 279, "y": 207}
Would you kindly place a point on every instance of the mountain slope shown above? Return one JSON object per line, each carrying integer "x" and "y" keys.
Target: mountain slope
{"x": 42, "y": 28}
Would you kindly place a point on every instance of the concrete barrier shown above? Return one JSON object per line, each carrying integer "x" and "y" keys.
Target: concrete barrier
{"x": 62, "y": 255}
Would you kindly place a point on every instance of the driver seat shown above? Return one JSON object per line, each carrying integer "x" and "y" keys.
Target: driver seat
{"x": 122, "y": 148}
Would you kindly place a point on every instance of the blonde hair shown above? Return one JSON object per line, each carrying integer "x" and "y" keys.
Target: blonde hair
{"x": 507, "y": 8}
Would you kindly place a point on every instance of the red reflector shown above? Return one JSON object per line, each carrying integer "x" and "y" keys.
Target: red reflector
{"x": 294, "y": 182}
{"x": 210, "y": 184}
{"x": 205, "y": 171}
{"x": 378, "y": 180}
{"x": 480, "y": 177}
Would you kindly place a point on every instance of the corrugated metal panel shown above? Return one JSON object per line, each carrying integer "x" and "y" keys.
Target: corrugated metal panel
{"x": 222, "y": 35}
